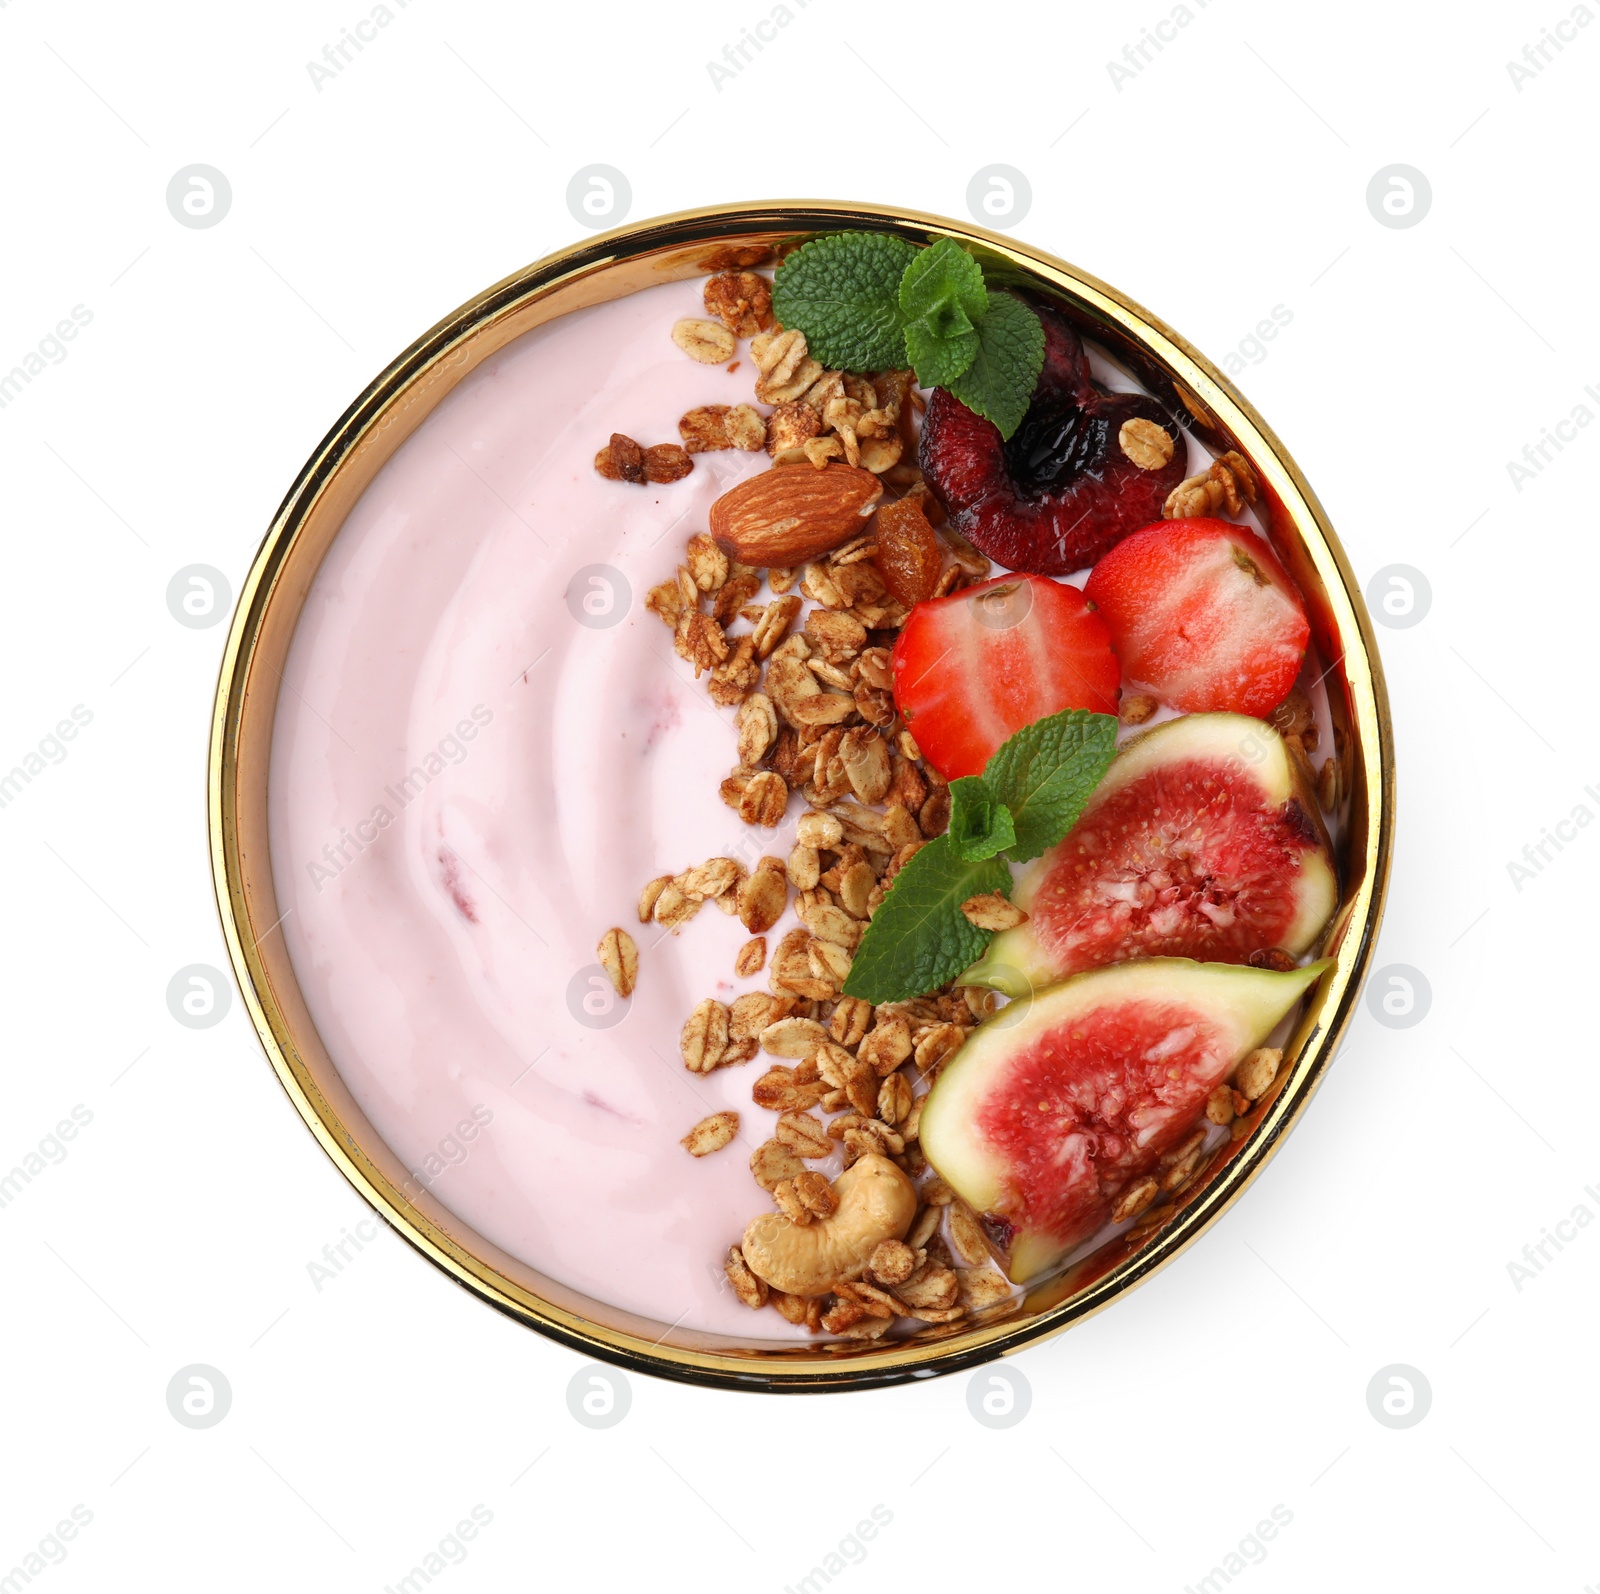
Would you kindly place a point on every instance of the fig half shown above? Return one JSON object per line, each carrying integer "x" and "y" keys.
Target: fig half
{"x": 1203, "y": 841}
{"x": 1059, "y": 1103}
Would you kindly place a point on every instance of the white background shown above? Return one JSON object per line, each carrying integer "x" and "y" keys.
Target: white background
{"x": 1226, "y": 177}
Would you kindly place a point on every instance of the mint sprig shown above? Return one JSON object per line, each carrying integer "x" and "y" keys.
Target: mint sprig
{"x": 999, "y": 381}
{"x": 1046, "y": 774}
{"x": 843, "y": 293}
{"x": 979, "y": 825}
{"x": 1028, "y": 797}
{"x": 942, "y": 290}
{"x": 867, "y": 301}
{"x": 918, "y": 938}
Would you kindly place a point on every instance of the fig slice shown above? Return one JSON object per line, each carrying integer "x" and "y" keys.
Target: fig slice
{"x": 1203, "y": 841}
{"x": 1060, "y": 1102}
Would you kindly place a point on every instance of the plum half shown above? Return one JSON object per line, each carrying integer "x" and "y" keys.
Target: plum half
{"x": 1071, "y": 481}
{"x": 1058, "y": 1103}
{"x": 1203, "y": 841}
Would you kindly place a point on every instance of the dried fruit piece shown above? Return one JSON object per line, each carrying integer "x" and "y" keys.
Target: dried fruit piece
{"x": 787, "y": 515}
{"x": 1201, "y": 841}
{"x": 909, "y": 555}
{"x": 621, "y": 460}
{"x": 1042, "y": 1123}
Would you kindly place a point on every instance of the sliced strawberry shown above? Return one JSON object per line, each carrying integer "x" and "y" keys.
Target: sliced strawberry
{"x": 971, "y": 669}
{"x": 1201, "y": 612}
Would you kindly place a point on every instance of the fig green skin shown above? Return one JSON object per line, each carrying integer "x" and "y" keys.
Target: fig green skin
{"x": 1245, "y": 1003}
{"x": 1015, "y": 962}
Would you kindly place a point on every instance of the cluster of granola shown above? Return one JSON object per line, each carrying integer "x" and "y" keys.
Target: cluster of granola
{"x": 818, "y": 415}
{"x": 809, "y": 680}
{"x": 823, "y": 721}
{"x": 1296, "y": 723}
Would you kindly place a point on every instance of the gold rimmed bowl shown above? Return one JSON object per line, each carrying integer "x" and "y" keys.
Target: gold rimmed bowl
{"x": 599, "y": 270}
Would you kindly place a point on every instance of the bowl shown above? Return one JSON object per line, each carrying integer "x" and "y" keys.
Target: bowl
{"x": 600, "y": 269}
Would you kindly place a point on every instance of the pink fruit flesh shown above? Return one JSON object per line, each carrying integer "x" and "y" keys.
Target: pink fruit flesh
{"x": 1186, "y": 861}
{"x": 1202, "y": 611}
{"x": 1094, "y": 1104}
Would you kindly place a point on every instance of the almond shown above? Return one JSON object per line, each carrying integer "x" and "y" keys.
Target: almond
{"x": 789, "y": 514}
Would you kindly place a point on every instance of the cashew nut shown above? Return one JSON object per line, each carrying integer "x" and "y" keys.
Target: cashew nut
{"x": 876, "y": 1202}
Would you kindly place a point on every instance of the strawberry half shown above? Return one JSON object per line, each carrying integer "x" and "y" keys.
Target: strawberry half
{"x": 1202, "y": 613}
{"x": 971, "y": 669}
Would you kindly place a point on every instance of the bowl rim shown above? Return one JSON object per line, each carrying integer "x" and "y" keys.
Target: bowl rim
{"x": 1209, "y": 398}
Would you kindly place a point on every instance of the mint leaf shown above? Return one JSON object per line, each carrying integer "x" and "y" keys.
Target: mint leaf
{"x": 943, "y": 286}
{"x": 1046, "y": 772}
{"x": 917, "y": 939}
{"x": 843, "y": 293}
{"x": 979, "y": 825}
{"x": 1000, "y": 381}
{"x": 942, "y": 297}
{"x": 938, "y": 361}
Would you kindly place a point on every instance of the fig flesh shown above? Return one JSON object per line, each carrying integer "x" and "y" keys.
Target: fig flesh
{"x": 1203, "y": 841}
{"x": 1060, "y": 1102}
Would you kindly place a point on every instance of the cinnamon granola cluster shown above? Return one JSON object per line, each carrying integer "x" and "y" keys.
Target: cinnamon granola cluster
{"x": 817, "y": 415}
{"x": 801, "y": 654}
{"x": 815, "y": 714}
